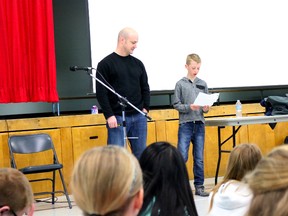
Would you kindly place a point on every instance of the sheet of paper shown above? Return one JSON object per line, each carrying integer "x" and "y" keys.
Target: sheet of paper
{"x": 206, "y": 99}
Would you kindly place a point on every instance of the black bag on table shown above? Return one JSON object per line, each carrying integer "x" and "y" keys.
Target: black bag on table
{"x": 275, "y": 105}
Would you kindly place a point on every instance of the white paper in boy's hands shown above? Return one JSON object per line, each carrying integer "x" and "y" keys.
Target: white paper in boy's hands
{"x": 206, "y": 99}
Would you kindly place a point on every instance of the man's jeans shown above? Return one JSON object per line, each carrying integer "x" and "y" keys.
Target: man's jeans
{"x": 136, "y": 131}
{"x": 194, "y": 132}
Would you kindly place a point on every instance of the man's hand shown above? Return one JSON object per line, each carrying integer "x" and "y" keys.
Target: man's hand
{"x": 112, "y": 122}
{"x": 144, "y": 110}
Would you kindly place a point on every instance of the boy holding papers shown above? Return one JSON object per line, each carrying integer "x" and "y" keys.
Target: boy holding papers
{"x": 191, "y": 119}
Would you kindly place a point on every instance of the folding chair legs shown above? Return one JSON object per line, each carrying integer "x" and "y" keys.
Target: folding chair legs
{"x": 65, "y": 189}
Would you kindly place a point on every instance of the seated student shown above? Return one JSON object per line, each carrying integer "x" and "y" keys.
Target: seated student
{"x": 108, "y": 181}
{"x": 231, "y": 196}
{"x": 166, "y": 184}
{"x": 16, "y": 196}
{"x": 269, "y": 184}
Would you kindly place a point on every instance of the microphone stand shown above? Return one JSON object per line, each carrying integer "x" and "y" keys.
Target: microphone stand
{"x": 122, "y": 101}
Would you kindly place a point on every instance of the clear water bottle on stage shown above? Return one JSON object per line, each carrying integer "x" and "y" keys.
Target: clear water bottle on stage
{"x": 238, "y": 109}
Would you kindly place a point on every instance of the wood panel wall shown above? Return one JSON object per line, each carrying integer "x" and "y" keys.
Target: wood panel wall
{"x": 72, "y": 135}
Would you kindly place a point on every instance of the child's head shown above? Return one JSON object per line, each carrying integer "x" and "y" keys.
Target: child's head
{"x": 243, "y": 159}
{"x": 106, "y": 180}
{"x": 193, "y": 64}
{"x": 193, "y": 57}
{"x": 164, "y": 162}
{"x": 269, "y": 184}
{"x": 271, "y": 173}
{"x": 16, "y": 196}
{"x": 166, "y": 179}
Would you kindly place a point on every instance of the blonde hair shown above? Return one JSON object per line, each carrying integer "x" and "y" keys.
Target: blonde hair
{"x": 105, "y": 179}
{"x": 15, "y": 190}
{"x": 193, "y": 57}
{"x": 242, "y": 160}
{"x": 269, "y": 184}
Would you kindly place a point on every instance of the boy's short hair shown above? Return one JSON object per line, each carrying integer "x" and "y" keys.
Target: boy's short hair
{"x": 193, "y": 57}
{"x": 15, "y": 189}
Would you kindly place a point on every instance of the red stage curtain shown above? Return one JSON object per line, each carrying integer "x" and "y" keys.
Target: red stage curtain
{"x": 27, "y": 52}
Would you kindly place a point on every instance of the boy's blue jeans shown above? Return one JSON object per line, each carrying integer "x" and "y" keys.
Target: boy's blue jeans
{"x": 193, "y": 132}
{"x": 136, "y": 131}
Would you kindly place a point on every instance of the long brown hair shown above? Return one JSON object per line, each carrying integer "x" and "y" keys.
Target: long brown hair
{"x": 242, "y": 160}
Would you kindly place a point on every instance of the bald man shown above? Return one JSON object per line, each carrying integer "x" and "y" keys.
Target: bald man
{"x": 127, "y": 76}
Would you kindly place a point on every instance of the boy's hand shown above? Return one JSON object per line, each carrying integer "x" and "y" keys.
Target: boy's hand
{"x": 194, "y": 107}
{"x": 206, "y": 108}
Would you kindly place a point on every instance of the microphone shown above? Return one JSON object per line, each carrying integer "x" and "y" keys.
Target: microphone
{"x": 75, "y": 68}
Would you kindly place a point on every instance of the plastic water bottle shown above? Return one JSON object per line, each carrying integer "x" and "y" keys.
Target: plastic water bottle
{"x": 238, "y": 109}
{"x": 94, "y": 109}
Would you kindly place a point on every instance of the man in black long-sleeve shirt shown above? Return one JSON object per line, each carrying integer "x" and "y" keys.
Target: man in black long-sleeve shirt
{"x": 127, "y": 76}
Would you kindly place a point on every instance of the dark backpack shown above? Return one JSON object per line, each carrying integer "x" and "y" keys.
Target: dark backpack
{"x": 275, "y": 105}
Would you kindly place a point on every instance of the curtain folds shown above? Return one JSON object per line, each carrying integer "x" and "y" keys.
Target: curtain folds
{"x": 27, "y": 52}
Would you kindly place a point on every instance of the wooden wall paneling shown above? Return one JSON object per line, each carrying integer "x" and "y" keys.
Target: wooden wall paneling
{"x": 151, "y": 132}
{"x": 281, "y": 131}
{"x": 67, "y": 154}
{"x": 210, "y": 151}
{"x": 85, "y": 138}
{"x": 229, "y": 110}
{"x": 242, "y": 136}
{"x": 3, "y": 126}
{"x": 160, "y": 130}
{"x": 4, "y": 150}
{"x": 172, "y": 131}
{"x": 259, "y": 135}
{"x": 55, "y": 122}
{"x": 165, "y": 114}
{"x": 268, "y": 138}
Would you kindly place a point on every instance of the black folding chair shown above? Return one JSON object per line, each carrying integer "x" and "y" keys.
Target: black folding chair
{"x": 33, "y": 144}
